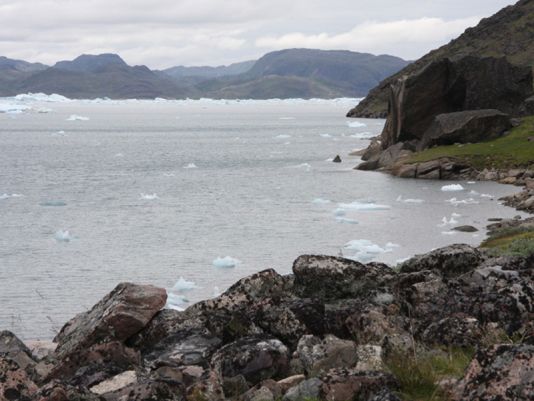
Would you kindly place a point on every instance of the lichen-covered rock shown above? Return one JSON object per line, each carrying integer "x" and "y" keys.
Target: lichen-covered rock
{"x": 13, "y": 348}
{"x": 256, "y": 358}
{"x": 347, "y": 384}
{"x": 307, "y": 389}
{"x": 502, "y": 373}
{"x": 450, "y": 261}
{"x": 118, "y": 316}
{"x": 15, "y": 384}
{"x": 458, "y": 330}
{"x": 319, "y": 355}
{"x": 328, "y": 277}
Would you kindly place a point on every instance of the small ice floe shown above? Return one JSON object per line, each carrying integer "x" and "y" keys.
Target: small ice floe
{"x": 216, "y": 292}
{"x": 326, "y": 136}
{"x": 447, "y": 222}
{"x": 363, "y": 206}
{"x": 119, "y": 154}
{"x": 303, "y": 166}
{"x": 7, "y": 196}
{"x": 153, "y": 196}
{"x": 363, "y": 135}
{"x": 168, "y": 174}
{"x": 59, "y": 133}
{"x": 339, "y": 212}
{"x": 183, "y": 285}
{"x": 449, "y": 232}
{"x": 474, "y": 193}
{"x": 321, "y": 201}
{"x": 471, "y": 182}
{"x": 13, "y": 108}
{"x": 457, "y": 202}
{"x": 346, "y": 220}
{"x": 53, "y": 203}
{"x": 282, "y": 136}
{"x": 227, "y": 262}
{"x": 356, "y": 124}
{"x": 488, "y": 196}
{"x": 43, "y": 110}
{"x": 176, "y": 302}
{"x": 452, "y": 188}
{"x": 364, "y": 251}
{"x": 400, "y": 199}
{"x": 75, "y": 117}
{"x": 63, "y": 236}
{"x": 287, "y": 143}
{"x": 42, "y": 97}
{"x": 456, "y": 215}
{"x": 190, "y": 166}
{"x": 287, "y": 118}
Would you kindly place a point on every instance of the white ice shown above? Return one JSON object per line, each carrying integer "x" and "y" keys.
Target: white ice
{"x": 75, "y": 117}
{"x": 190, "y": 166}
{"x": 226, "y": 262}
{"x": 326, "y": 136}
{"x": 363, "y": 135}
{"x": 63, "y": 236}
{"x": 7, "y": 196}
{"x": 356, "y": 124}
{"x": 149, "y": 196}
{"x": 182, "y": 285}
{"x": 363, "y": 206}
{"x": 452, "y": 188}
{"x": 321, "y": 201}
{"x": 400, "y": 199}
{"x": 346, "y": 220}
{"x": 282, "y": 136}
{"x": 13, "y": 108}
{"x": 364, "y": 251}
{"x": 41, "y": 97}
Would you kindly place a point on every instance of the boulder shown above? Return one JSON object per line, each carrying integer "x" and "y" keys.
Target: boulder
{"x": 337, "y": 159}
{"x": 503, "y": 372}
{"x": 465, "y": 127}
{"x": 256, "y": 358}
{"x": 14, "y": 349}
{"x": 349, "y": 384}
{"x": 307, "y": 389}
{"x": 466, "y": 229}
{"x": 449, "y": 261}
{"x": 319, "y": 355}
{"x": 15, "y": 384}
{"x": 117, "y": 317}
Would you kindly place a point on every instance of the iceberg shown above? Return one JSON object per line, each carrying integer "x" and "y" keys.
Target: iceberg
{"x": 363, "y": 206}
{"x": 321, "y": 201}
{"x": 75, "y": 117}
{"x": 182, "y": 285}
{"x": 42, "y": 97}
{"x": 365, "y": 251}
{"x": 7, "y": 196}
{"x": 13, "y": 108}
{"x": 226, "y": 262}
{"x": 176, "y": 302}
{"x": 63, "y": 236}
{"x": 190, "y": 166}
{"x": 400, "y": 199}
{"x": 452, "y": 188}
{"x": 149, "y": 196}
{"x": 356, "y": 124}
{"x": 456, "y": 202}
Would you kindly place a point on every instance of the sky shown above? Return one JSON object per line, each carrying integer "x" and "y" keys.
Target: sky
{"x": 165, "y": 33}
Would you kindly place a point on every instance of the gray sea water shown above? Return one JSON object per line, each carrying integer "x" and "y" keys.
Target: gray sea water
{"x": 149, "y": 192}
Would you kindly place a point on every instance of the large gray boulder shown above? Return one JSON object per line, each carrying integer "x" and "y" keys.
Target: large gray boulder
{"x": 465, "y": 127}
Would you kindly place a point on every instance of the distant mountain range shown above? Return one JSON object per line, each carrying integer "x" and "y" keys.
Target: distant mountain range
{"x": 294, "y": 73}
{"x": 509, "y": 33}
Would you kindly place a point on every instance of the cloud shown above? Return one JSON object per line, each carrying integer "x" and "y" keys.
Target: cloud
{"x": 378, "y": 37}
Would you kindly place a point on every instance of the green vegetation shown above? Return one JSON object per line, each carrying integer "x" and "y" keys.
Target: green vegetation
{"x": 419, "y": 374}
{"x": 511, "y": 241}
{"x": 509, "y": 151}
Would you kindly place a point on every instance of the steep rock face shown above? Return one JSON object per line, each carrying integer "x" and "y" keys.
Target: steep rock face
{"x": 503, "y": 34}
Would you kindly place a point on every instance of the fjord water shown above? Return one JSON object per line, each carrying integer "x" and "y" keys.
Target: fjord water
{"x": 150, "y": 191}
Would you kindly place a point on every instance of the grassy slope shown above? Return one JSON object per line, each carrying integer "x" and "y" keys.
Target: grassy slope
{"x": 509, "y": 151}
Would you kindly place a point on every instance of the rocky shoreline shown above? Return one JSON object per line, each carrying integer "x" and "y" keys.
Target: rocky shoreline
{"x": 333, "y": 330}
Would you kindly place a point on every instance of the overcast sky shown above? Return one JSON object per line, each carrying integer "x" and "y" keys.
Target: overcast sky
{"x": 164, "y": 33}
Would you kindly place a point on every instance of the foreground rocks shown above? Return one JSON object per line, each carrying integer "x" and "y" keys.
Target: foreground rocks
{"x": 324, "y": 332}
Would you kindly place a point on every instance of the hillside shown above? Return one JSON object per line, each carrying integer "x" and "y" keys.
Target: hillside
{"x": 307, "y": 73}
{"x": 105, "y": 75}
{"x": 508, "y": 33}
{"x": 13, "y": 71}
{"x": 206, "y": 72}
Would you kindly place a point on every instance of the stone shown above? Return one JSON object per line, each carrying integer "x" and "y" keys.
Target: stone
{"x": 337, "y": 159}
{"x": 256, "y": 358}
{"x": 369, "y": 358}
{"x": 308, "y": 389}
{"x": 262, "y": 394}
{"x": 117, "y": 317}
{"x": 466, "y": 229}
{"x": 15, "y": 384}
{"x": 503, "y": 372}
{"x": 347, "y": 384}
{"x": 14, "y": 349}
{"x": 458, "y": 330}
{"x": 115, "y": 383}
{"x": 449, "y": 261}
{"x": 291, "y": 381}
{"x": 469, "y": 126}
{"x": 319, "y": 355}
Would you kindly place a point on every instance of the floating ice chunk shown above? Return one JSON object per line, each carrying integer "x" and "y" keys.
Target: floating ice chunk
{"x": 447, "y": 222}
{"x": 399, "y": 199}
{"x": 287, "y": 118}
{"x": 449, "y": 232}
{"x": 149, "y": 196}
{"x": 282, "y": 136}
{"x": 487, "y": 196}
{"x": 176, "y": 302}
{"x": 345, "y": 220}
{"x": 226, "y": 262}
{"x": 304, "y": 166}
{"x": 168, "y": 174}
{"x": 63, "y": 236}
{"x": 43, "y": 110}
{"x": 216, "y": 292}
{"x": 364, "y": 251}
{"x": 326, "y": 136}
{"x": 190, "y": 166}
{"x": 363, "y": 206}
{"x": 119, "y": 154}
{"x": 356, "y": 124}
{"x": 321, "y": 201}
{"x": 7, "y": 196}
{"x": 287, "y": 143}
{"x": 75, "y": 117}
{"x": 363, "y": 135}
{"x": 42, "y": 97}
{"x": 456, "y": 202}
{"x": 13, "y": 108}
{"x": 59, "y": 133}
{"x": 452, "y": 188}
{"x": 471, "y": 182}
{"x": 456, "y": 215}
{"x": 53, "y": 203}
{"x": 340, "y": 212}
{"x": 182, "y": 285}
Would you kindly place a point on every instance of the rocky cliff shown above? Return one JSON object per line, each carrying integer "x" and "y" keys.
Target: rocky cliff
{"x": 509, "y": 33}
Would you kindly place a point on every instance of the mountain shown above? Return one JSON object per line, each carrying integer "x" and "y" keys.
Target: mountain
{"x": 206, "y": 72}
{"x": 306, "y": 73}
{"x": 509, "y": 33}
{"x": 104, "y": 75}
{"x": 293, "y": 73}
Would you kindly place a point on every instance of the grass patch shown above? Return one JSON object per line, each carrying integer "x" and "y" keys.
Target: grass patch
{"x": 515, "y": 241}
{"x": 509, "y": 151}
{"x": 418, "y": 375}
